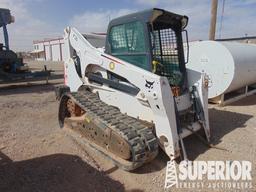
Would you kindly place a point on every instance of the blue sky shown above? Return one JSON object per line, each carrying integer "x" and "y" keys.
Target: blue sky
{"x": 39, "y": 19}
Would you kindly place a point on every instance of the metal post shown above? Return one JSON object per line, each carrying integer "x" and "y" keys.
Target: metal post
{"x": 213, "y": 19}
{"x": 47, "y": 76}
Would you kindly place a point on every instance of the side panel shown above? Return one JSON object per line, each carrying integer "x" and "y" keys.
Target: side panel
{"x": 200, "y": 81}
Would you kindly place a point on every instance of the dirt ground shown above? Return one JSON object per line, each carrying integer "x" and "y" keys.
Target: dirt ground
{"x": 36, "y": 155}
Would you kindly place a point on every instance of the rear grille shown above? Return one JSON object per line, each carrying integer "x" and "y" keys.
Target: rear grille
{"x": 165, "y": 50}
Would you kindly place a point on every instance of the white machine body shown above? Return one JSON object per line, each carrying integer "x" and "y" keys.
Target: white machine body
{"x": 153, "y": 103}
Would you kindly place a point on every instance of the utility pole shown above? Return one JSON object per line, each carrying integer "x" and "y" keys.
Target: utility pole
{"x": 213, "y": 19}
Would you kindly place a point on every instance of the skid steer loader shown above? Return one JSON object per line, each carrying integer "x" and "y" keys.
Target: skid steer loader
{"x": 135, "y": 94}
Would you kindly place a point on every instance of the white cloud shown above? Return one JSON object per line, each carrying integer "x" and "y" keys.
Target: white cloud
{"x": 96, "y": 21}
{"x": 26, "y": 27}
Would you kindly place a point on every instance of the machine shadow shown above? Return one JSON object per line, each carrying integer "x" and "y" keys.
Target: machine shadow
{"x": 57, "y": 172}
{"x": 221, "y": 123}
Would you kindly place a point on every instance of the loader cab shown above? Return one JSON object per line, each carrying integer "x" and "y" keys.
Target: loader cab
{"x": 151, "y": 40}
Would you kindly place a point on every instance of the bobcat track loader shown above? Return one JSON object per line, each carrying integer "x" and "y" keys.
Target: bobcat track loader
{"x": 135, "y": 94}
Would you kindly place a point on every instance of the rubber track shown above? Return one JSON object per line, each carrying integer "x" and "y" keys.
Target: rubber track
{"x": 143, "y": 143}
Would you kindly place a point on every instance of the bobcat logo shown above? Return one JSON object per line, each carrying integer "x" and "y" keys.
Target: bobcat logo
{"x": 149, "y": 84}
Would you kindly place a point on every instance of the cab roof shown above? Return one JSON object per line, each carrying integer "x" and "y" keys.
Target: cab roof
{"x": 162, "y": 17}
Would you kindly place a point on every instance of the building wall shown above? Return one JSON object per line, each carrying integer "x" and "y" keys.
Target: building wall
{"x": 53, "y": 49}
{"x": 47, "y": 49}
{"x": 56, "y": 52}
{"x": 56, "y": 49}
{"x": 41, "y": 56}
{"x": 38, "y": 47}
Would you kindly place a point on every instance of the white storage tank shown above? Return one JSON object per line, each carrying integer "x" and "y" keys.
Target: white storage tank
{"x": 230, "y": 65}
